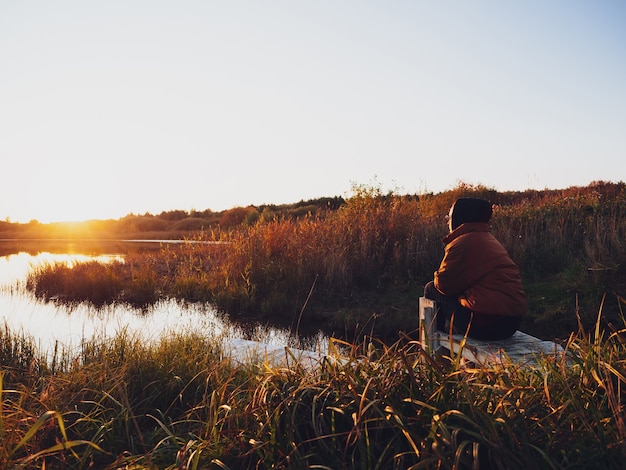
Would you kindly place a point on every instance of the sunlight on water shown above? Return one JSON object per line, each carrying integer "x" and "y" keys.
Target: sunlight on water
{"x": 50, "y": 323}
{"x": 15, "y": 267}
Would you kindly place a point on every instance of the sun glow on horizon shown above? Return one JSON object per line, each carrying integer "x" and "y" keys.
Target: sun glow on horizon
{"x": 113, "y": 108}
{"x": 68, "y": 215}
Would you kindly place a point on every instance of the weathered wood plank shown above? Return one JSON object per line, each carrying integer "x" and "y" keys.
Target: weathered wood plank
{"x": 521, "y": 348}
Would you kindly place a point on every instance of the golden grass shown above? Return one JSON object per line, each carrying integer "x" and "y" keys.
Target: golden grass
{"x": 176, "y": 403}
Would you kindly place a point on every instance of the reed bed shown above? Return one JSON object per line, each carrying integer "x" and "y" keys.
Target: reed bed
{"x": 178, "y": 403}
{"x": 365, "y": 263}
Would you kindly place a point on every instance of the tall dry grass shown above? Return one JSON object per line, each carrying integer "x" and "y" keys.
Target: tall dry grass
{"x": 569, "y": 245}
{"x": 371, "y": 241}
{"x": 549, "y": 234}
{"x": 176, "y": 403}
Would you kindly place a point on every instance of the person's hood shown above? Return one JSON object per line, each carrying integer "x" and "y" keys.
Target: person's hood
{"x": 470, "y": 209}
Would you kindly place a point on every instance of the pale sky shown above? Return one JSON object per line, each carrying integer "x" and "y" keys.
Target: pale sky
{"x": 116, "y": 107}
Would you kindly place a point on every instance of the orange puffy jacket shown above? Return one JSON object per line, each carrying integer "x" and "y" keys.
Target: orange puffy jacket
{"x": 477, "y": 270}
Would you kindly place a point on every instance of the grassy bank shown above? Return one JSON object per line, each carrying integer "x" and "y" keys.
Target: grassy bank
{"x": 359, "y": 267}
{"x": 178, "y": 404}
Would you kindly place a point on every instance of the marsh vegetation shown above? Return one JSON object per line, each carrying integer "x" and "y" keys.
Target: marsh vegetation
{"x": 180, "y": 404}
{"x": 358, "y": 268}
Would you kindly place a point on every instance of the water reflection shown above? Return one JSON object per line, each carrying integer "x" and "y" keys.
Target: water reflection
{"x": 60, "y": 325}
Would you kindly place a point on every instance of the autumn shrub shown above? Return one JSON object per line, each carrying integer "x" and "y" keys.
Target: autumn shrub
{"x": 236, "y": 216}
{"x": 190, "y": 224}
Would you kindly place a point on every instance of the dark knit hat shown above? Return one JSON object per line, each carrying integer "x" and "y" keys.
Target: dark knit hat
{"x": 470, "y": 209}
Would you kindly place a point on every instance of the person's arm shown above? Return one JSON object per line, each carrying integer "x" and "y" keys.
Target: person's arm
{"x": 452, "y": 277}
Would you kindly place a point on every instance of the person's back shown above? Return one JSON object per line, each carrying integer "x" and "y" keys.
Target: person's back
{"x": 477, "y": 286}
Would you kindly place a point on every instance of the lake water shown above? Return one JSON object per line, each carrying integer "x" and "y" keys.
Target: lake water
{"x": 54, "y": 324}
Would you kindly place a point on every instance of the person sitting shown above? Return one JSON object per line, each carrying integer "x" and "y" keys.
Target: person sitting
{"x": 478, "y": 287}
